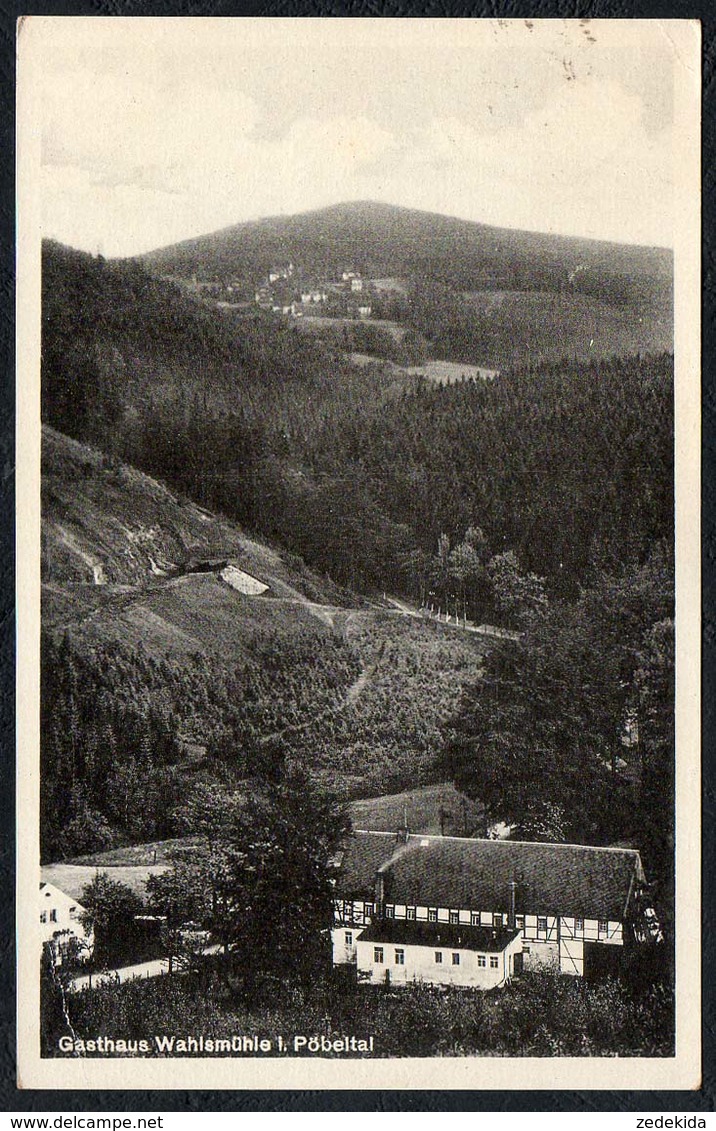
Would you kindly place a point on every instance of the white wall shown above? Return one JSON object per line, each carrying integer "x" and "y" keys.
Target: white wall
{"x": 344, "y": 952}
{"x": 420, "y": 965}
{"x": 571, "y": 956}
{"x": 60, "y": 916}
{"x": 557, "y": 946}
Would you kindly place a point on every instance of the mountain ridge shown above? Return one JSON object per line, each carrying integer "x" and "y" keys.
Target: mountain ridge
{"x": 382, "y": 239}
{"x": 382, "y": 208}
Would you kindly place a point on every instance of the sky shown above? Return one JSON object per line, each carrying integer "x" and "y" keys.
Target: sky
{"x": 156, "y": 130}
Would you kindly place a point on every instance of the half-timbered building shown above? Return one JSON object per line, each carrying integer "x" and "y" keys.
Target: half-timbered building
{"x": 572, "y": 908}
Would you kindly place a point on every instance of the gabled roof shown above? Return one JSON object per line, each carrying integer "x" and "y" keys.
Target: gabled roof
{"x": 360, "y": 860}
{"x": 73, "y": 878}
{"x": 454, "y": 872}
{"x": 53, "y": 893}
{"x": 437, "y": 935}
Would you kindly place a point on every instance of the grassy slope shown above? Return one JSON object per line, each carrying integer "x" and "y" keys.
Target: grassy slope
{"x": 72, "y": 878}
{"x": 368, "y": 688}
{"x": 422, "y": 808}
{"x": 124, "y": 520}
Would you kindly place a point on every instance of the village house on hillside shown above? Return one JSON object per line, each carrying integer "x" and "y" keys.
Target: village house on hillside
{"x": 61, "y": 931}
{"x": 277, "y": 273}
{"x": 282, "y": 293}
{"x": 455, "y": 911}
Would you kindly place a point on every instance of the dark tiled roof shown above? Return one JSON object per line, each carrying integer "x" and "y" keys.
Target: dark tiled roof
{"x": 398, "y": 931}
{"x": 452, "y": 872}
{"x": 357, "y": 865}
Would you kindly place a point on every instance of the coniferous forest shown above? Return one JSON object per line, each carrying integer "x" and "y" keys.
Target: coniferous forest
{"x": 373, "y": 502}
{"x": 567, "y": 465}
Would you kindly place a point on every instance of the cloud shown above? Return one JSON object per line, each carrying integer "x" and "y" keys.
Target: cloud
{"x": 150, "y": 137}
{"x": 98, "y": 121}
{"x": 108, "y": 152}
{"x": 582, "y": 163}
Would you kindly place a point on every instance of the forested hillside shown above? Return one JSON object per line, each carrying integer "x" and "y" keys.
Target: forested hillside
{"x": 565, "y": 466}
{"x": 355, "y": 469}
{"x": 466, "y": 292}
{"x": 383, "y": 240}
{"x": 540, "y": 501}
{"x": 158, "y": 676}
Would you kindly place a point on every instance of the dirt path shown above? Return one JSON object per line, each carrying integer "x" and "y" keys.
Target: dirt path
{"x": 153, "y": 968}
{"x": 403, "y": 607}
{"x": 365, "y": 678}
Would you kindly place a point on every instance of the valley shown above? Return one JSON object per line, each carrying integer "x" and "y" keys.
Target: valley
{"x": 349, "y": 720}
{"x": 384, "y": 552}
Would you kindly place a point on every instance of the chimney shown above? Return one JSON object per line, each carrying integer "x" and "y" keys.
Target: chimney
{"x": 511, "y": 917}
{"x": 379, "y": 895}
{"x": 401, "y": 837}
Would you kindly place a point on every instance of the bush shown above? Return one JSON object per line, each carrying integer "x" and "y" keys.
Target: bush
{"x": 537, "y": 1015}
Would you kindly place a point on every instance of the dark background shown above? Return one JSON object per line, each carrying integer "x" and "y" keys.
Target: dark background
{"x": 12, "y": 1099}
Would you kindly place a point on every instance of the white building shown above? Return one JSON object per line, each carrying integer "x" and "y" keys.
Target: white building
{"x": 399, "y": 953}
{"x": 277, "y": 273}
{"x": 574, "y": 907}
{"x": 61, "y": 928}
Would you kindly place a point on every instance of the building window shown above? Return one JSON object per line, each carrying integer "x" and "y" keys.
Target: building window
{"x": 603, "y": 927}
{"x": 53, "y": 916}
{"x": 349, "y": 938}
{"x": 455, "y": 958}
{"x": 389, "y": 911}
{"x": 378, "y": 954}
{"x": 399, "y": 956}
{"x": 579, "y": 924}
{"x": 475, "y": 919}
{"x": 367, "y": 910}
{"x": 542, "y": 925}
{"x": 410, "y": 913}
{"x": 494, "y": 962}
{"x": 454, "y": 916}
{"x": 525, "y": 950}
{"x": 520, "y": 922}
{"x": 438, "y": 957}
{"x": 481, "y": 960}
{"x": 497, "y": 919}
{"x": 432, "y": 915}
{"x": 43, "y": 916}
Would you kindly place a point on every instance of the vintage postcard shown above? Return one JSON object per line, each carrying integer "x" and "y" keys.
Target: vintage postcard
{"x": 358, "y": 543}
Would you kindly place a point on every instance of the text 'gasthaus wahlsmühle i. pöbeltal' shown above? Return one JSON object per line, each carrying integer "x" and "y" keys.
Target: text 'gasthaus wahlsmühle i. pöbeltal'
{"x": 236, "y": 1045}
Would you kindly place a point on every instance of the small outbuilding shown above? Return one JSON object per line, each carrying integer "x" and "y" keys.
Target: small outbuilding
{"x": 479, "y": 957}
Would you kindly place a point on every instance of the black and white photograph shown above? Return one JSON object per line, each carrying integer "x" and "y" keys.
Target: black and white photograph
{"x": 358, "y": 397}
